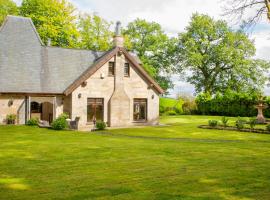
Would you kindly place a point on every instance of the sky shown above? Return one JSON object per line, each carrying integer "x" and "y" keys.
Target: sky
{"x": 174, "y": 16}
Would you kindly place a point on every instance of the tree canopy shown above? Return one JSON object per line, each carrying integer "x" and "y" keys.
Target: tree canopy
{"x": 54, "y": 20}
{"x": 7, "y": 7}
{"x": 218, "y": 58}
{"x": 95, "y": 33}
{"x": 153, "y": 47}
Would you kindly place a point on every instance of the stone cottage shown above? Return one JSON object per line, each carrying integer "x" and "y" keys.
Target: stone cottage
{"x": 44, "y": 81}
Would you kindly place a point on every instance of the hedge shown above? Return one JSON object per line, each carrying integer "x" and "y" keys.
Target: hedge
{"x": 230, "y": 104}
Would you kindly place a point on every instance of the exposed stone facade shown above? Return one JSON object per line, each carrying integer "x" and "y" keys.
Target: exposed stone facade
{"x": 118, "y": 93}
{"x": 62, "y": 80}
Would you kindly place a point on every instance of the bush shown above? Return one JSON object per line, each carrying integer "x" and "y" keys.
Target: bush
{"x": 11, "y": 118}
{"x": 169, "y": 104}
{"x": 224, "y": 121}
{"x": 171, "y": 112}
{"x": 213, "y": 123}
{"x": 189, "y": 105}
{"x": 252, "y": 122}
{"x": 100, "y": 125}
{"x": 229, "y": 103}
{"x": 268, "y": 127}
{"x": 32, "y": 122}
{"x": 60, "y": 123}
{"x": 240, "y": 123}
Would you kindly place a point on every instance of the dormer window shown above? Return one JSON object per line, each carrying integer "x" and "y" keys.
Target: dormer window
{"x": 126, "y": 70}
{"x": 111, "y": 69}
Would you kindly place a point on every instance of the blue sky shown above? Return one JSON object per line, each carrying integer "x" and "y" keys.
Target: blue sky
{"x": 174, "y": 16}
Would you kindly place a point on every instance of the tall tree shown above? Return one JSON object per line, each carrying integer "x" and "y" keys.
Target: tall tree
{"x": 153, "y": 47}
{"x": 7, "y": 7}
{"x": 54, "y": 20}
{"x": 251, "y": 11}
{"x": 95, "y": 33}
{"x": 218, "y": 58}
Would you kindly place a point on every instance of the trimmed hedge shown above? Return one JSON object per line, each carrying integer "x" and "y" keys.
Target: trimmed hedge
{"x": 230, "y": 104}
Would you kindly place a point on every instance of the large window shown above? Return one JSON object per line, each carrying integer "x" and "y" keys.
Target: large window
{"x": 111, "y": 69}
{"x": 140, "y": 110}
{"x": 126, "y": 70}
{"x": 95, "y": 109}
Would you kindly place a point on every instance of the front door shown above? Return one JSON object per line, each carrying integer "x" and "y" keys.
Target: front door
{"x": 95, "y": 109}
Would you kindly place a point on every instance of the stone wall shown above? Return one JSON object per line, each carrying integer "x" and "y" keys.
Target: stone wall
{"x": 17, "y": 108}
{"x": 118, "y": 94}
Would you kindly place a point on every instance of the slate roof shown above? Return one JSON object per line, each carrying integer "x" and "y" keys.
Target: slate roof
{"x": 27, "y": 66}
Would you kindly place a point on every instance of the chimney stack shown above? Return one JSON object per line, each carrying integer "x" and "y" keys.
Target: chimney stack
{"x": 118, "y": 39}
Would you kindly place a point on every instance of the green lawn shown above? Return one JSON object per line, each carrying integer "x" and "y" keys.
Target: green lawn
{"x": 178, "y": 161}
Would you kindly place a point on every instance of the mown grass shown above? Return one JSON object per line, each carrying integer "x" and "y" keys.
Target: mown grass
{"x": 179, "y": 161}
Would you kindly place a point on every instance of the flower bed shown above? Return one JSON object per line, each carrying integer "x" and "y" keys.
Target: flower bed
{"x": 232, "y": 128}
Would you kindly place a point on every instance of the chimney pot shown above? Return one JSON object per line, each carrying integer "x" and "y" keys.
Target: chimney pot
{"x": 118, "y": 38}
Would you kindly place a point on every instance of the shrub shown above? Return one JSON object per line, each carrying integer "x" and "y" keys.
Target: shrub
{"x": 171, "y": 112}
{"x": 189, "y": 106}
{"x": 100, "y": 125}
{"x": 240, "y": 123}
{"x": 268, "y": 127}
{"x": 32, "y": 122}
{"x": 252, "y": 122}
{"x": 60, "y": 123}
{"x": 213, "y": 123}
{"x": 229, "y": 103}
{"x": 11, "y": 118}
{"x": 224, "y": 121}
{"x": 169, "y": 104}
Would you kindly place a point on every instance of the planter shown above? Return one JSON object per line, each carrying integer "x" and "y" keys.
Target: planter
{"x": 232, "y": 128}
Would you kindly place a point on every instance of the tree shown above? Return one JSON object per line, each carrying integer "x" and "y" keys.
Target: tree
{"x": 251, "y": 11}
{"x": 95, "y": 33}
{"x": 154, "y": 48}
{"x": 54, "y": 20}
{"x": 7, "y": 7}
{"x": 218, "y": 58}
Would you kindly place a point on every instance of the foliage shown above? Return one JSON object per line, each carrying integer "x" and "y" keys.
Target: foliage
{"x": 154, "y": 48}
{"x": 100, "y": 125}
{"x": 224, "y": 121}
{"x": 268, "y": 127}
{"x": 252, "y": 122}
{"x": 169, "y": 104}
{"x": 240, "y": 123}
{"x": 32, "y": 122}
{"x": 189, "y": 105}
{"x": 7, "y": 7}
{"x": 60, "y": 123}
{"x": 54, "y": 20}
{"x": 218, "y": 58}
{"x": 228, "y": 104}
{"x": 11, "y": 118}
{"x": 95, "y": 33}
{"x": 213, "y": 123}
{"x": 171, "y": 112}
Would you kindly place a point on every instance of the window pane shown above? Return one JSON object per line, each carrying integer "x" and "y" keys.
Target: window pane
{"x": 126, "y": 69}
{"x": 94, "y": 109}
{"x": 140, "y": 109}
{"x": 111, "y": 68}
